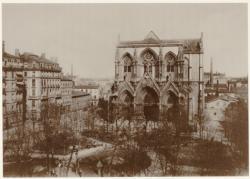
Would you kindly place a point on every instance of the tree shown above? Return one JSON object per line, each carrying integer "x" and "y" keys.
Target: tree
{"x": 16, "y": 147}
{"x": 213, "y": 158}
{"x": 236, "y": 129}
{"x": 50, "y": 120}
{"x": 103, "y": 110}
{"x": 177, "y": 115}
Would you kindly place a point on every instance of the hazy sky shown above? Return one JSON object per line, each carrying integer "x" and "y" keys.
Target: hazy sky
{"x": 85, "y": 35}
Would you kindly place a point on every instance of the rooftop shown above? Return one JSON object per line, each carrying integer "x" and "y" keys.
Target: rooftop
{"x": 79, "y": 94}
{"x": 40, "y": 59}
{"x": 66, "y": 78}
{"x": 91, "y": 86}
{"x": 5, "y": 54}
{"x": 189, "y": 45}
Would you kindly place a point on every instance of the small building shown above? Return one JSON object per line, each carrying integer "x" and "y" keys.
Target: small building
{"x": 92, "y": 89}
{"x": 74, "y": 118}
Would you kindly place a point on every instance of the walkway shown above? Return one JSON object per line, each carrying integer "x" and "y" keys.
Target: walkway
{"x": 84, "y": 153}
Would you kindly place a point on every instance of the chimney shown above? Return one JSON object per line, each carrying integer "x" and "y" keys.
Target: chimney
{"x": 217, "y": 88}
{"x": 17, "y": 53}
{"x": 43, "y": 55}
{"x": 3, "y": 47}
{"x": 54, "y": 59}
{"x": 211, "y": 73}
{"x": 71, "y": 71}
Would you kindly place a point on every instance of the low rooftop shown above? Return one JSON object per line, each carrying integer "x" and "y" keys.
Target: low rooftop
{"x": 79, "y": 94}
{"x": 90, "y": 86}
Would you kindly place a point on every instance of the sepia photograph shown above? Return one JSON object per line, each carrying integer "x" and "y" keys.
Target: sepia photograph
{"x": 124, "y": 89}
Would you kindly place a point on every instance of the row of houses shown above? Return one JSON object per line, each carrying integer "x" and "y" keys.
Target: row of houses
{"x": 224, "y": 85}
{"x": 29, "y": 81}
{"x": 218, "y": 84}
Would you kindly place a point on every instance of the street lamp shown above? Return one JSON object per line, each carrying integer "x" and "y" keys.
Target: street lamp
{"x": 99, "y": 166}
{"x": 77, "y": 162}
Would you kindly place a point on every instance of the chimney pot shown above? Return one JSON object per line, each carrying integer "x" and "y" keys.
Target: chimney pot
{"x": 3, "y": 48}
{"x": 17, "y": 53}
{"x": 43, "y": 55}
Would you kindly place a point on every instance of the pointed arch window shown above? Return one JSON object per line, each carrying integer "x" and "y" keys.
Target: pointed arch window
{"x": 150, "y": 68}
{"x": 149, "y": 59}
{"x": 171, "y": 60}
{"x": 127, "y": 63}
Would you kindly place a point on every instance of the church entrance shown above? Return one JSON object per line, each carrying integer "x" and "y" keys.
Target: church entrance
{"x": 126, "y": 105}
{"x": 150, "y": 104}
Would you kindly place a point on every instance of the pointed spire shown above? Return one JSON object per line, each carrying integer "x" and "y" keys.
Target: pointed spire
{"x": 117, "y": 55}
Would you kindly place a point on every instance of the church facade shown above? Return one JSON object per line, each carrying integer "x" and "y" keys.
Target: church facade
{"x": 159, "y": 74}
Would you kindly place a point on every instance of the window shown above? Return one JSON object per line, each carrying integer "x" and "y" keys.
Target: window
{"x": 25, "y": 73}
{"x": 33, "y": 92}
{"x": 33, "y": 103}
{"x": 33, "y": 82}
{"x": 171, "y": 60}
{"x": 172, "y": 68}
{"x": 168, "y": 68}
{"x": 150, "y": 69}
{"x": 127, "y": 63}
{"x": 33, "y": 74}
{"x": 125, "y": 68}
{"x": 181, "y": 75}
{"x": 145, "y": 68}
{"x": 129, "y": 68}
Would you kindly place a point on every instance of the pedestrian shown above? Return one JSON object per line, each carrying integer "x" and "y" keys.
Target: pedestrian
{"x": 53, "y": 172}
{"x": 80, "y": 172}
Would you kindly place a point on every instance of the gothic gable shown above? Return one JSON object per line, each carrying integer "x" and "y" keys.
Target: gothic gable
{"x": 170, "y": 86}
{"x": 152, "y": 37}
{"x": 147, "y": 82}
{"x": 125, "y": 86}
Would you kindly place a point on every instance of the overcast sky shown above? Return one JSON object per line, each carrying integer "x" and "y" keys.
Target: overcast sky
{"x": 86, "y": 35}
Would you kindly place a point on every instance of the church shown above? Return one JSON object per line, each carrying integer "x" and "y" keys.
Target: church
{"x": 154, "y": 75}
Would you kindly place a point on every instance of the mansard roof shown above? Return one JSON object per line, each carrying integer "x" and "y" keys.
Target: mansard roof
{"x": 32, "y": 57}
{"x": 8, "y": 55}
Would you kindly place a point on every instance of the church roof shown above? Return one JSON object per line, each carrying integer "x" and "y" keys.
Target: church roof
{"x": 151, "y": 37}
{"x": 152, "y": 40}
